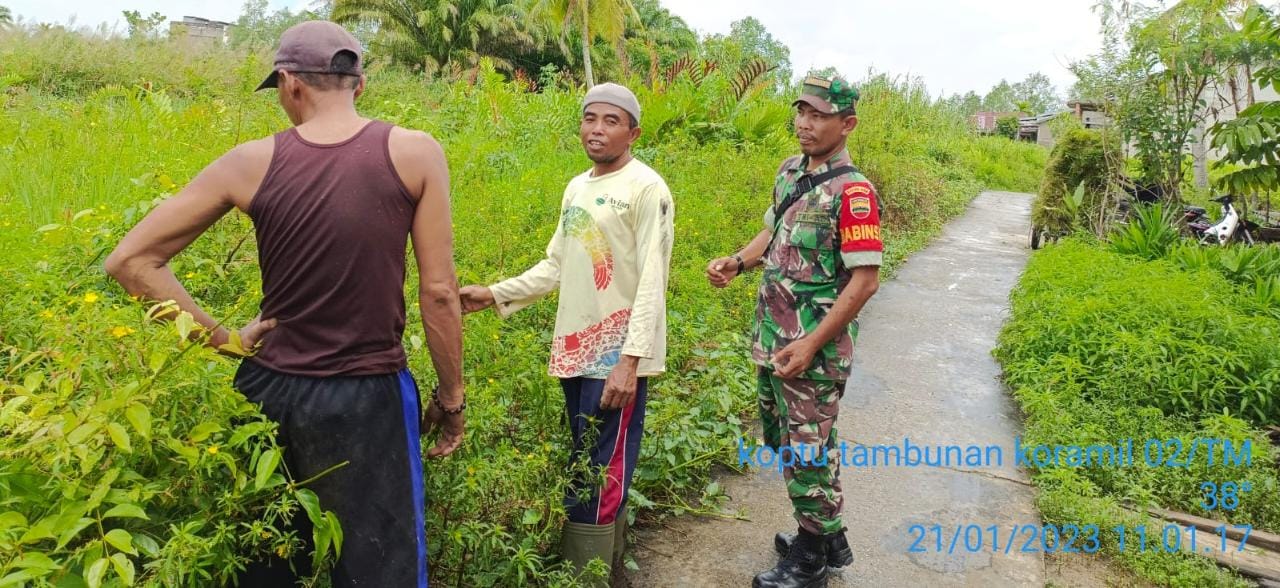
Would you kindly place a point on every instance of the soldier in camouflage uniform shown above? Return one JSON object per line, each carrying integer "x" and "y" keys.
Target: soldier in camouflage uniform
{"x": 821, "y": 250}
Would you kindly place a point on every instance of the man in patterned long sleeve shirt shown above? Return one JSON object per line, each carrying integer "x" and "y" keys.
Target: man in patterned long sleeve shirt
{"x": 610, "y": 258}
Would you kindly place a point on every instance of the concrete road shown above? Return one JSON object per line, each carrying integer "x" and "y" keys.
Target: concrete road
{"x": 923, "y": 371}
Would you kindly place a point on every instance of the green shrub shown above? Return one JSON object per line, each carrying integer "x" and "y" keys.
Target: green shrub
{"x": 1079, "y": 157}
{"x": 126, "y": 455}
{"x": 1102, "y": 347}
{"x": 1149, "y": 234}
{"x": 1007, "y": 127}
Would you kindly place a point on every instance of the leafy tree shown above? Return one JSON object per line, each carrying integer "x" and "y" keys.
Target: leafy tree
{"x": 258, "y": 28}
{"x": 1154, "y": 73}
{"x": 143, "y": 27}
{"x": 747, "y": 40}
{"x": 1007, "y": 126}
{"x": 1001, "y": 98}
{"x": 823, "y": 72}
{"x": 592, "y": 19}
{"x": 661, "y": 38}
{"x": 1252, "y": 140}
{"x": 967, "y": 104}
{"x": 1036, "y": 94}
{"x": 439, "y": 33}
{"x": 6, "y": 17}
{"x": 1033, "y": 95}
{"x": 970, "y": 103}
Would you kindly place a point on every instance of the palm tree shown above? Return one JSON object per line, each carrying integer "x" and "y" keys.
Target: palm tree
{"x": 594, "y": 19}
{"x": 663, "y": 35}
{"x": 437, "y": 33}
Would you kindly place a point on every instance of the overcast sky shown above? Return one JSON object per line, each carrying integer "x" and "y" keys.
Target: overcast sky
{"x": 954, "y": 45}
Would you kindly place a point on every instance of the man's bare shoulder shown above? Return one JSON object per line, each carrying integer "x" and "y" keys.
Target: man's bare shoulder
{"x": 257, "y": 151}
{"x": 417, "y": 158}
{"x": 415, "y": 143}
{"x": 241, "y": 170}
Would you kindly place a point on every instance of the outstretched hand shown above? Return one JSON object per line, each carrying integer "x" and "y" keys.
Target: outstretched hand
{"x": 475, "y": 298}
{"x": 721, "y": 271}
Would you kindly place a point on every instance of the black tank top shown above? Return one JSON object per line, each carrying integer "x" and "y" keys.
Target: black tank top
{"x": 332, "y": 223}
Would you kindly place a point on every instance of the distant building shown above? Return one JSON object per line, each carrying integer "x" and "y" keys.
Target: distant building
{"x": 200, "y": 31}
{"x": 985, "y": 121}
{"x": 1037, "y": 129}
{"x": 1089, "y": 114}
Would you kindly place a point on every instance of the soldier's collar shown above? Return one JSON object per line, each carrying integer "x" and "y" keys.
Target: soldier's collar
{"x": 841, "y": 158}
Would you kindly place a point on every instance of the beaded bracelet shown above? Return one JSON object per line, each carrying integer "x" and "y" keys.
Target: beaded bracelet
{"x": 435, "y": 399}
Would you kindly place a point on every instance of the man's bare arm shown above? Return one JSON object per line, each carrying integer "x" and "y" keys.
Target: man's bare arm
{"x": 722, "y": 270}
{"x": 438, "y": 281}
{"x": 141, "y": 260}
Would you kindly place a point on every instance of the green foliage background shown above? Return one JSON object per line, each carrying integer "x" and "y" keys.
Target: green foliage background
{"x": 93, "y": 132}
{"x": 1103, "y": 347}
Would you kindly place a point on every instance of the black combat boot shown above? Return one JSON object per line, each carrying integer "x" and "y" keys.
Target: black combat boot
{"x": 838, "y": 553}
{"x": 804, "y": 567}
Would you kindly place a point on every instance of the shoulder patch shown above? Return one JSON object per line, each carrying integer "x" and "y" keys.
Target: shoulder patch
{"x": 859, "y": 218}
{"x": 857, "y": 196}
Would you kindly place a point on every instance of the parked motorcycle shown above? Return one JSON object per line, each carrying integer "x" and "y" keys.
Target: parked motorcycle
{"x": 1232, "y": 227}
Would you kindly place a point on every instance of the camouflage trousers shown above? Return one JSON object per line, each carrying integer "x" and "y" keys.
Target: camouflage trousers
{"x": 801, "y": 415}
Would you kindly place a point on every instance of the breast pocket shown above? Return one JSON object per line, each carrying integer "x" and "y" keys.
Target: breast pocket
{"x": 811, "y": 257}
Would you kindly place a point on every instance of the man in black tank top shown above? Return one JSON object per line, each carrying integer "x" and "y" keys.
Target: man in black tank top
{"x": 334, "y": 201}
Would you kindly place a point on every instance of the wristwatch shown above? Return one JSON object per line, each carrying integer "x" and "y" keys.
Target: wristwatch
{"x": 741, "y": 266}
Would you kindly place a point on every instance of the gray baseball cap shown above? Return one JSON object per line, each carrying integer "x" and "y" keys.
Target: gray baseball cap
{"x": 611, "y": 93}
{"x": 309, "y": 47}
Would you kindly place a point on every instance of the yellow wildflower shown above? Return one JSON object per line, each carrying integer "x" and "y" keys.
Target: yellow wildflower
{"x": 91, "y": 297}
{"x": 213, "y": 450}
{"x": 119, "y": 332}
{"x": 190, "y": 275}
{"x": 46, "y": 314}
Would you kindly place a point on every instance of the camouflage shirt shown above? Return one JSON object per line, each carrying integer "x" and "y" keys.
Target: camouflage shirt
{"x": 829, "y": 231}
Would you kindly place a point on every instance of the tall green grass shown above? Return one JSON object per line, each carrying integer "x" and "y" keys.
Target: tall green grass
{"x": 1102, "y": 347}
{"x": 87, "y": 149}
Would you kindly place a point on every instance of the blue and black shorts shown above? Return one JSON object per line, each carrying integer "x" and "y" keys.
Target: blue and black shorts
{"x": 372, "y": 423}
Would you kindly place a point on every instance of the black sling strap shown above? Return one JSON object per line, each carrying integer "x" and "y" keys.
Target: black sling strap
{"x": 803, "y": 185}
